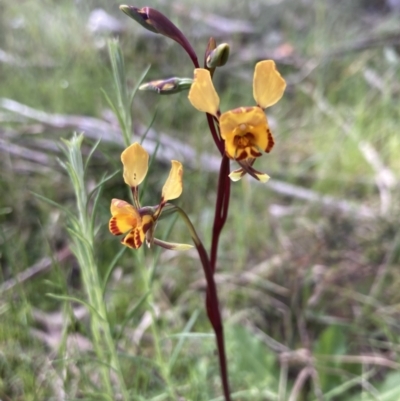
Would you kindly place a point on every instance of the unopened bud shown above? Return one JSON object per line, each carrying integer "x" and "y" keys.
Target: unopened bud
{"x": 157, "y": 22}
{"x": 219, "y": 56}
{"x": 167, "y": 86}
{"x": 140, "y": 15}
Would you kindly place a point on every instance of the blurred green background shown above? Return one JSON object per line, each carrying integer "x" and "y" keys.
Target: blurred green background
{"x": 308, "y": 269}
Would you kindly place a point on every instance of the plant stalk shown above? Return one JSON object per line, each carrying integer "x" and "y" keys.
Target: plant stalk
{"x": 83, "y": 238}
{"x": 212, "y": 303}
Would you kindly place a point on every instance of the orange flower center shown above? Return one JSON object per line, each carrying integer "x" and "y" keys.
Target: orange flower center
{"x": 243, "y": 141}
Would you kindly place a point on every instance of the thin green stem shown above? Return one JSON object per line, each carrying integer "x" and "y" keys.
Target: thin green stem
{"x": 163, "y": 365}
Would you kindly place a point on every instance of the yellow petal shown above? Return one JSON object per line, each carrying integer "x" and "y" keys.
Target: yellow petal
{"x": 173, "y": 186}
{"x": 124, "y": 217}
{"x": 136, "y": 162}
{"x": 202, "y": 93}
{"x": 268, "y": 85}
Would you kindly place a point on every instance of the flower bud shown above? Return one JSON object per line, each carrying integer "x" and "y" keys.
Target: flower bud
{"x": 140, "y": 15}
{"x": 157, "y": 22}
{"x": 219, "y": 56}
{"x": 167, "y": 86}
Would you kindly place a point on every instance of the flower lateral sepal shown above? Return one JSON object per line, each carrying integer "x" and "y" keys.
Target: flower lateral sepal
{"x": 167, "y": 86}
{"x": 246, "y": 167}
{"x": 173, "y": 246}
{"x": 237, "y": 175}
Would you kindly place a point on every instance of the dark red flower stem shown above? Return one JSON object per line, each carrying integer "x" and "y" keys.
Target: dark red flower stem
{"x": 221, "y": 213}
{"x": 218, "y": 141}
{"x": 221, "y": 208}
{"x": 212, "y": 303}
{"x": 214, "y": 315}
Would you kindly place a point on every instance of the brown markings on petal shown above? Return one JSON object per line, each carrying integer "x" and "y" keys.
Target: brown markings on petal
{"x": 147, "y": 226}
{"x": 243, "y": 141}
{"x": 271, "y": 141}
{"x": 138, "y": 241}
{"x": 129, "y": 242}
{"x": 255, "y": 153}
{"x": 113, "y": 227}
{"x": 242, "y": 155}
{"x": 133, "y": 239}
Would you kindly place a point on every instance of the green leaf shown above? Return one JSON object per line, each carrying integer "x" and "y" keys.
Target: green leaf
{"x": 189, "y": 325}
{"x": 139, "y": 82}
{"x": 111, "y": 267}
{"x": 89, "y": 157}
{"x": 331, "y": 342}
{"x": 73, "y": 299}
{"x": 254, "y": 361}
{"x": 57, "y": 205}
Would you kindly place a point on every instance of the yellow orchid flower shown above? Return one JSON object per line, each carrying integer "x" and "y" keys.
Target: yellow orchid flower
{"x": 245, "y": 130}
{"x": 139, "y": 222}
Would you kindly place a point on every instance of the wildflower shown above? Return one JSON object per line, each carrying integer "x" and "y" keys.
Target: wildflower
{"x": 139, "y": 222}
{"x": 245, "y": 130}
